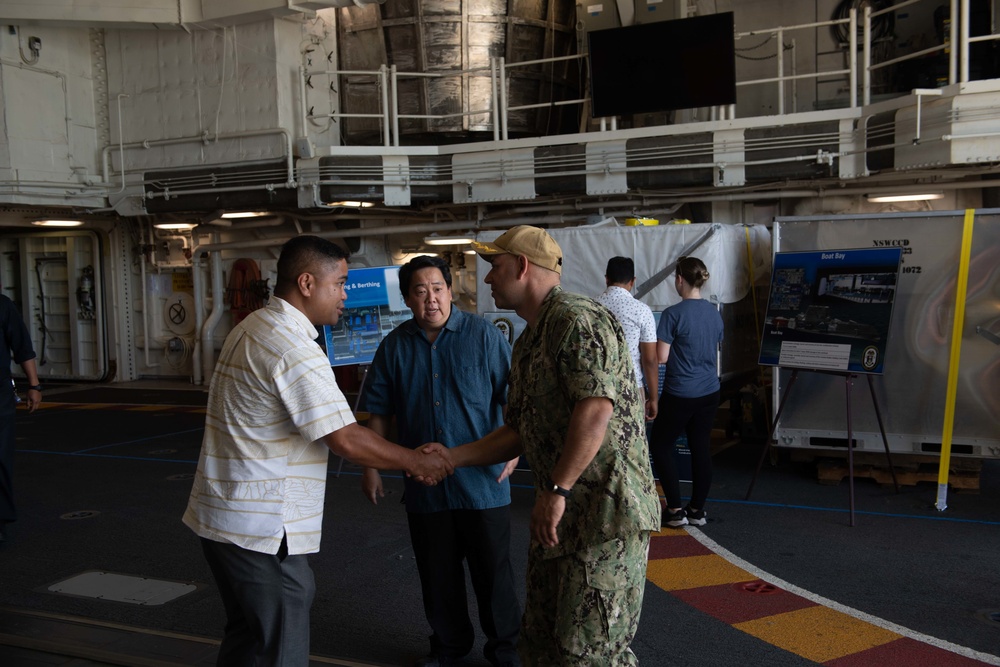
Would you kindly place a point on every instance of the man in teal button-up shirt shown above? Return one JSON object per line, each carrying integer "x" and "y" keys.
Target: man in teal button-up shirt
{"x": 443, "y": 376}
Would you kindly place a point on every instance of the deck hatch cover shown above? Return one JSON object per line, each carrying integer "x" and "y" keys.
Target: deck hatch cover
{"x": 122, "y": 588}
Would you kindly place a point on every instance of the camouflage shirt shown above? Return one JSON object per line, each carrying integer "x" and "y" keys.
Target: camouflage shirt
{"x": 577, "y": 350}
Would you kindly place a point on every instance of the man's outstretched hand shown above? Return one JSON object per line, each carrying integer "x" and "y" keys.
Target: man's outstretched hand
{"x": 508, "y": 468}
{"x": 431, "y": 464}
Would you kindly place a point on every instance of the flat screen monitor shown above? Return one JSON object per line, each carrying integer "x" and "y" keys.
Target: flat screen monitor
{"x": 651, "y": 67}
{"x": 830, "y": 310}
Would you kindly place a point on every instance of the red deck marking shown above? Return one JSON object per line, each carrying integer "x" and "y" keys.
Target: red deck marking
{"x": 732, "y": 604}
{"x": 905, "y": 652}
{"x": 676, "y": 546}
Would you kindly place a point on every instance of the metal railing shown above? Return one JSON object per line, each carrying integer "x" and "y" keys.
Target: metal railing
{"x": 505, "y": 109}
{"x": 780, "y": 78}
{"x": 381, "y": 78}
{"x": 388, "y": 79}
{"x": 857, "y": 75}
{"x": 492, "y": 111}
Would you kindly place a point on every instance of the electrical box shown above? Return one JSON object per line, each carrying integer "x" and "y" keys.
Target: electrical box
{"x": 604, "y": 14}
{"x": 652, "y": 11}
{"x": 597, "y": 15}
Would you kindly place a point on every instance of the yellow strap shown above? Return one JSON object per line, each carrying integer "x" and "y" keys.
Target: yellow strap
{"x": 961, "y": 288}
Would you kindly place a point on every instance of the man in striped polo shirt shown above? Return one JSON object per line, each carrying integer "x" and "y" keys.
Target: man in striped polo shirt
{"x": 274, "y": 413}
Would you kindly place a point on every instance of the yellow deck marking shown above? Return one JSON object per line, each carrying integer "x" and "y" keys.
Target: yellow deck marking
{"x": 818, "y": 633}
{"x": 676, "y": 574}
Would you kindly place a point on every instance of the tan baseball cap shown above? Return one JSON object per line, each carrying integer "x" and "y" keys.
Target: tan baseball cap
{"x": 533, "y": 243}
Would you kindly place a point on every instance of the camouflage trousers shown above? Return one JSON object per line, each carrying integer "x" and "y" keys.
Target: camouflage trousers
{"x": 583, "y": 608}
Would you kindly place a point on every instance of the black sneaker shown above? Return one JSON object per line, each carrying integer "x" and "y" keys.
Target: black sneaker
{"x": 674, "y": 519}
{"x": 695, "y": 517}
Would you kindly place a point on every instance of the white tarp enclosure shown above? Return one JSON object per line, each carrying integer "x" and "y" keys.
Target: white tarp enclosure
{"x": 736, "y": 257}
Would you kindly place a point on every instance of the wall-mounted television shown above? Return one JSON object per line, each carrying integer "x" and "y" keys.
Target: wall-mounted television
{"x": 680, "y": 64}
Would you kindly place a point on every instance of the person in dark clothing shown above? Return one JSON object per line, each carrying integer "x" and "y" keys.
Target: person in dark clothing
{"x": 688, "y": 339}
{"x": 17, "y": 347}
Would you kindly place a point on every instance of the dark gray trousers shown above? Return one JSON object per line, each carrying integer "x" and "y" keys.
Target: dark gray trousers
{"x": 267, "y": 600}
{"x": 441, "y": 542}
{"x": 7, "y": 414}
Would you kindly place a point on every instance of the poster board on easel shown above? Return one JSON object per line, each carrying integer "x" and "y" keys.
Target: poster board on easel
{"x": 373, "y": 308}
{"x": 830, "y": 312}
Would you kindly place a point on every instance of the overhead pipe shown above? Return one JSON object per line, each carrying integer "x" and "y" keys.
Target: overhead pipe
{"x": 145, "y": 305}
{"x": 256, "y": 223}
{"x": 303, "y": 110}
{"x": 199, "y": 319}
{"x": 218, "y": 305}
{"x": 580, "y": 206}
{"x": 583, "y": 171}
{"x": 214, "y": 191}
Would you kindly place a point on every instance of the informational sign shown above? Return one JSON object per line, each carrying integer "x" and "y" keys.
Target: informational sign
{"x": 830, "y": 310}
{"x": 374, "y": 307}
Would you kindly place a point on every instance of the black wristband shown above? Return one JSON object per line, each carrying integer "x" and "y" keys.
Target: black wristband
{"x": 35, "y": 387}
{"x": 558, "y": 490}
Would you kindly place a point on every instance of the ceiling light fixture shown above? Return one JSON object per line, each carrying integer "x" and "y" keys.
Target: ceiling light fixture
{"x": 351, "y": 204}
{"x": 244, "y": 214}
{"x": 434, "y": 239}
{"x": 57, "y": 223}
{"x": 917, "y": 196}
{"x": 184, "y": 226}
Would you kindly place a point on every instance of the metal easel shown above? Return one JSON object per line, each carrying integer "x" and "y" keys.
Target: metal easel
{"x": 849, "y": 381}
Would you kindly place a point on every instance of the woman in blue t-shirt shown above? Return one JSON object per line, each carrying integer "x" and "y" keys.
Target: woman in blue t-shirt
{"x": 688, "y": 338}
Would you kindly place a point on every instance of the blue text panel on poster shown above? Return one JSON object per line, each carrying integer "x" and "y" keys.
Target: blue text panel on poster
{"x": 830, "y": 310}
{"x": 374, "y": 307}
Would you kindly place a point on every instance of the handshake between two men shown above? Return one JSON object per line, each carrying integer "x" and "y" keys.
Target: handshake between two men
{"x": 501, "y": 446}
{"x": 440, "y": 455}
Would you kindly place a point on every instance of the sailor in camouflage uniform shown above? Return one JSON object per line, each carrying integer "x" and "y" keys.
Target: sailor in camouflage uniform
{"x": 575, "y": 412}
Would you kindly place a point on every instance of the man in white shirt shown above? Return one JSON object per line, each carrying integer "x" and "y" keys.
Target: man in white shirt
{"x": 637, "y": 320}
{"x": 274, "y": 413}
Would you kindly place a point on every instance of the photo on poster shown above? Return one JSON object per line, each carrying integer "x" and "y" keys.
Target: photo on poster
{"x": 373, "y": 308}
{"x": 830, "y": 310}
